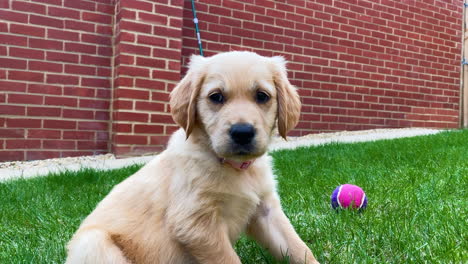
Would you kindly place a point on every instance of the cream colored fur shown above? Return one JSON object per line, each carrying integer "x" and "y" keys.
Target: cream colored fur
{"x": 185, "y": 206}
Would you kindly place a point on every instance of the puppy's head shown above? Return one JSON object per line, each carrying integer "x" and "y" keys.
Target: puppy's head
{"x": 237, "y": 99}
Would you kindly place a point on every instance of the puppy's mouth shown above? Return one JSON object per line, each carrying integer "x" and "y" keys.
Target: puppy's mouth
{"x": 242, "y": 152}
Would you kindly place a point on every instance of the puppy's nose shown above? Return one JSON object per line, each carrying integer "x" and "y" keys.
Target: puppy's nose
{"x": 242, "y": 133}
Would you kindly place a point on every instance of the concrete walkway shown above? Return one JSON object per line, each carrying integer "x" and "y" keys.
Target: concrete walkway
{"x": 12, "y": 170}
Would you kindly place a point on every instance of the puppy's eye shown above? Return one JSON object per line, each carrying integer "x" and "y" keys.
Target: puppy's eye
{"x": 262, "y": 97}
{"x": 217, "y": 98}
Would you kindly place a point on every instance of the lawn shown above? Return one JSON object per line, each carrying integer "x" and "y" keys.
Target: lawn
{"x": 417, "y": 210}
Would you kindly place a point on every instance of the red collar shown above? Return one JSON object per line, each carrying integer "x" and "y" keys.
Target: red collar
{"x": 240, "y": 165}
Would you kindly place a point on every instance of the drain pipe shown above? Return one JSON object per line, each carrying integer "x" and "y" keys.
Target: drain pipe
{"x": 197, "y": 30}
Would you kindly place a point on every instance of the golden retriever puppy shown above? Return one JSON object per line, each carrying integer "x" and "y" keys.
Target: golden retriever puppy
{"x": 213, "y": 182}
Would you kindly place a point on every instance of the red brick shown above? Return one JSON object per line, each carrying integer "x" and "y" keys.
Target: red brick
{"x": 5, "y": 4}
{"x": 43, "y": 111}
{"x": 52, "y": 2}
{"x": 149, "y": 106}
{"x": 134, "y": 49}
{"x": 82, "y": 48}
{"x": 46, "y": 21}
{"x": 96, "y": 82}
{"x": 166, "y": 75}
{"x": 11, "y": 133}
{"x": 62, "y": 79}
{"x": 59, "y": 144}
{"x": 130, "y": 116}
{"x": 97, "y": 18}
{"x": 119, "y": 104}
{"x": 165, "y": 31}
{"x": 105, "y": 30}
{"x": 121, "y": 128}
{"x": 44, "y": 89}
{"x": 168, "y": 10}
{"x": 106, "y": 8}
{"x": 171, "y": 129}
{"x": 61, "y": 56}
{"x": 26, "y": 76}
{"x": 153, "y": 18}
{"x": 152, "y": 84}
{"x": 93, "y": 145}
{"x": 79, "y": 135}
{"x": 123, "y": 81}
{"x": 63, "y": 12}
{"x": 173, "y": 65}
{"x": 62, "y": 34}
{"x": 135, "y": 27}
{"x": 39, "y": 155}
{"x": 25, "y": 99}
{"x": 133, "y": 71}
{"x": 148, "y": 129}
{"x": 81, "y": 5}
{"x": 63, "y": 124}
{"x": 23, "y": 144}
{"x": 94, "y": 104}
{"x": 28, "y": 7}
{"x": 46, "y": 44}
{"x": 61, "y": 101}
{"x": 161, "y": 118}
{"x": 10, "y": 15}
{"x": 96, "y": 60}
{"x": 11, "y": 155}
{"x": 91, "y": 125}
{"x": 81, "y": 70}
{"x": 152, "y": 40}
{"x": 153, "y": 63}
{"x": 79, "y": 91}
{"x": 105, "y": 51}
{"x": 80, "y": 153}
{"x": 3, "y": 73}
{"x": 26, "y": 53}
{"x": 160, "y": 96}
{"x": 81, "y": 26}
{"x": 27, "y": 30}
{"x": 131, "y": 94}
{"x": 125, "y": 37}
{"x": 45, "y": 66}
{"x": 102, "y": 115}
{"x": 77, "y": 114}
{"x": 139, "y": 5}
{"x": 130, "y": 139}
{"x": 23, "y": 123}
{"x": 96, "y": 39}
{"x": 13, "y": 63}
{"x": 3, "y": 49}
{"x": 13, "y": 40}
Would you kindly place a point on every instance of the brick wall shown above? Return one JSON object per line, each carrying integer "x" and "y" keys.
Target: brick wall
{"x": 147, "y": 66}
{"x": 55, "y": 74}
{"x": 359, "y": 64}
{"x": 81, "y": 77}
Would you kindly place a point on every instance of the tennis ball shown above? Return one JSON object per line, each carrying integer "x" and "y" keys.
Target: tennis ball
{"x": 347, "y": 195}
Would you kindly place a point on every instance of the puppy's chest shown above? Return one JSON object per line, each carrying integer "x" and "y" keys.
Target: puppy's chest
{"x": 235, "y": 209}
{"x": 236, "y": 202}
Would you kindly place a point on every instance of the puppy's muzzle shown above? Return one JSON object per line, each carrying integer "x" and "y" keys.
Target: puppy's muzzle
{"x": 242, "y": 134}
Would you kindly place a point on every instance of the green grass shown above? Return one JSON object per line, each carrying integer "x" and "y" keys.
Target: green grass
{"x": 417, "y": 211}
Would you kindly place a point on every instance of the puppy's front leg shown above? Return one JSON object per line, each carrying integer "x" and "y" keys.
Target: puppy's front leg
{"x": 205, "y": 239}
{"x": 272, "y": 229}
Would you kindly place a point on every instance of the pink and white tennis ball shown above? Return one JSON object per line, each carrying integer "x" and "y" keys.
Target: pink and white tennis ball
{"x": 347, "y": 194}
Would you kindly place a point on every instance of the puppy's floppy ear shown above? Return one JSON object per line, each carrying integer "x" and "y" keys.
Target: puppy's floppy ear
{"x": 183, "y": 97}
{"x": 289, "y": 104}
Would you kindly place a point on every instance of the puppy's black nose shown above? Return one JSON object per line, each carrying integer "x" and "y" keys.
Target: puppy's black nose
{"x": 242, "y": 133}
